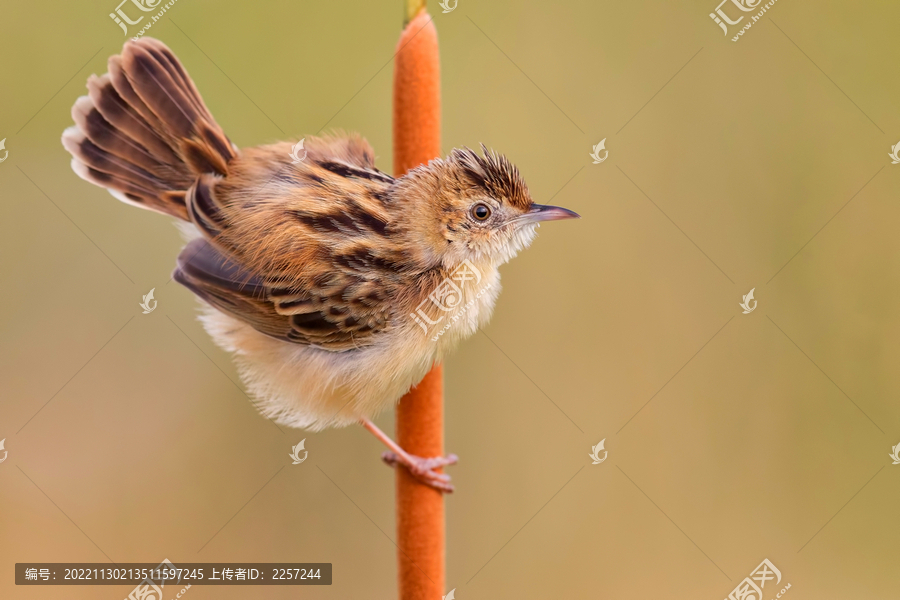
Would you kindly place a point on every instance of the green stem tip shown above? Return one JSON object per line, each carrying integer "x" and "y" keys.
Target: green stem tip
{"x": 413, "y": 8}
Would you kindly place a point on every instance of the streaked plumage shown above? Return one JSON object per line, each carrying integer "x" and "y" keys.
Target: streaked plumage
{"x": 309, "y": 271}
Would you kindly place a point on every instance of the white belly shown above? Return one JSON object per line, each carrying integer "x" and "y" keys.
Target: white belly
{"x": 307, "y": 387}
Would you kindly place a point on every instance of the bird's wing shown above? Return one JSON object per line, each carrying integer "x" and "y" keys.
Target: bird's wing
{"x": 302, "y": 253}
{"x": 315, "y": 315}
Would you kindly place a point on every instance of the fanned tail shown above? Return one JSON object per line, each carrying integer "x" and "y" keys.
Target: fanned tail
{"x": 143, "y": 132}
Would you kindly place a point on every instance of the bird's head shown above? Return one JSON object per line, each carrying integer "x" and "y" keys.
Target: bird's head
{"x": 471, "y": 207}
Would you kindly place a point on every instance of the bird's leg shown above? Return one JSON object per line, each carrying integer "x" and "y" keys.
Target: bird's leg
{"x": 422, "y": 469}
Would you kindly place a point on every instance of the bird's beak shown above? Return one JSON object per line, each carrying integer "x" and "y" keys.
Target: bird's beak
{"x": 543, "y": 212}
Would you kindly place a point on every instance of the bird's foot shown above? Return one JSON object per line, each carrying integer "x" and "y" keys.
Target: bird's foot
{"x": 423, "y": 469}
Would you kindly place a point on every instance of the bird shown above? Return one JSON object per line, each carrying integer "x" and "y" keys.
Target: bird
{"x": 312, "y": 274}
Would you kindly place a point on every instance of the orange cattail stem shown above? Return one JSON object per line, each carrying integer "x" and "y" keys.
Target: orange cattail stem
{"x": 420, "y": 414}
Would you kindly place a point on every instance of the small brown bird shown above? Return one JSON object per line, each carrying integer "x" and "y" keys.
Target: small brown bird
{"x": 335, "y": 286}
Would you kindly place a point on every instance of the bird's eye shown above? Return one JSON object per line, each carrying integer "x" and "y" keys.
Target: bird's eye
{"x": 481, "y": 212}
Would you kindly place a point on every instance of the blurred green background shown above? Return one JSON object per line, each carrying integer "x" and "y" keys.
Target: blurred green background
{"x": 732, "y": 438}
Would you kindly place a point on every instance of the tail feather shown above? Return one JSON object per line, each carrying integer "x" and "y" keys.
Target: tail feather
{"x": 143, "y": 131}
{"x": 142, "y": 122}
{"x": 97, "y": 128}
{"x": 121, "y": 107}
